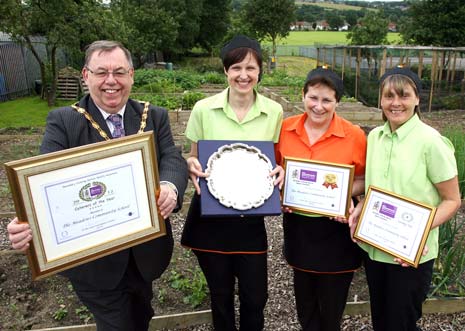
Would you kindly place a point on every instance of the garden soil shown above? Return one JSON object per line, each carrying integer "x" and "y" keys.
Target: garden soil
{"x": 51, "y": 302}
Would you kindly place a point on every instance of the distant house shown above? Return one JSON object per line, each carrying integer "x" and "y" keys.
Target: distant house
{"x": 301, "y": 26}
{"x": 345, "y": 27}
{"x": 392, "y": 27}
{"x": 322, "y": 25}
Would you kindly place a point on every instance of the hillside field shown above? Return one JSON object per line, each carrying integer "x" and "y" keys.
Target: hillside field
{"x": 308, "y": 38}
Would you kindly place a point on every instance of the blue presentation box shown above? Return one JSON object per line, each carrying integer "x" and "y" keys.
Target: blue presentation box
{"x": 210, "y": 206}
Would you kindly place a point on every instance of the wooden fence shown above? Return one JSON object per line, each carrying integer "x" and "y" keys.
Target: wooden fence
{"x": 442, "y": 70}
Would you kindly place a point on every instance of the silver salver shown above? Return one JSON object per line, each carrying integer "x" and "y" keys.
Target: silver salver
{"x": 238, "y": 176}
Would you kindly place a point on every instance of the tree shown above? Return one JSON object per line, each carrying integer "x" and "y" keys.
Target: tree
{"x": 435, "y": 22}
{"x": 371, "y": 30}
{"x": 187, "y": 15}
{"x": 214, "y": 22}
{"x": 335, "y": 21}
{"x": 238, "y": 24}
{"x": 352, "y": 16}
{"x": 60, "y": 22}
{"x": 270, "y": 19}
{"x": 149, "y": 24}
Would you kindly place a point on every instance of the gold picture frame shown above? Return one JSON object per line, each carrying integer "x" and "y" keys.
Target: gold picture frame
{"x": 317, "y": 187}
{"x": 87, "y": 202}
{"x": 394, "y": 224}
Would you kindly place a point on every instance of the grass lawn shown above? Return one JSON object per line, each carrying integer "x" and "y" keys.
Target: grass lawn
{"x": 338, "y": 6}
{"x": 296, "y": 66}
{"x": 308, "y": 38}
{"x": 26, "y": 112}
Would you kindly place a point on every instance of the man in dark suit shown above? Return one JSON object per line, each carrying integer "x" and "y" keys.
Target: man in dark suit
{"x": 117, "y": 288}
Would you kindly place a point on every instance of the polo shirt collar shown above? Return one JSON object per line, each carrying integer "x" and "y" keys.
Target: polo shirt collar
{"x": 221, "y": 102}
{"x": 335, "y": 128}
{"x": 404, "y": 130}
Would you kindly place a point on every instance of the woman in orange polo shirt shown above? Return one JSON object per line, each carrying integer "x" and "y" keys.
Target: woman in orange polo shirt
{"x": 318, "y": 248}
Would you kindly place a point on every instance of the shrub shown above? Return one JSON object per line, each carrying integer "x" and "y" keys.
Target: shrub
{"x": 189, "y": 98}
{"x": 457, "y": 136}
{"x": 449, "y": 267}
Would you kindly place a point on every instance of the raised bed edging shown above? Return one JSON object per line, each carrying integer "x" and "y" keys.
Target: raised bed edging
{"x": 183, "y": 320}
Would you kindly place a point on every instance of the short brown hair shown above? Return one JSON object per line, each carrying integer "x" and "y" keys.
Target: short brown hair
{"x": 102, "y": 46}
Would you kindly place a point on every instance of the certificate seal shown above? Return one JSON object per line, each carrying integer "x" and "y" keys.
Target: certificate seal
{"x": 92, "y": 191}
{"x": 330, "y": 181}
{"x": 406, "y": 216}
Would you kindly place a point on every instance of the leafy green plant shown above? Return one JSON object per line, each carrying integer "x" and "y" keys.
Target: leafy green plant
{"x": 449, "y": 267}
{"x": 451, "y": 102}
{"x": 457, "y": 136}
{"x": 60, "y": 313}
{"x": 161, "y": 296}
{"x": 194, "y": 287}
{"x": 213, "y": 77}
{"x": 348, "y": 99}
{"x": 189, "y": 98}
{"x": 84, "y": 314}
{"x": 449, "y": 271}
{"x": 279, "y": 77}
{"x": 172, "y": 80}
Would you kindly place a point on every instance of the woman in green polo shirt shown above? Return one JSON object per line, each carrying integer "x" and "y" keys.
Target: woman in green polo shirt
{"x": 235, "y": 247}
{"x": 413, "y": 160}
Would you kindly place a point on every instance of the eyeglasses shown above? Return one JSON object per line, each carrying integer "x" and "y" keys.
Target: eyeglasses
{"x": 103, "y": 73}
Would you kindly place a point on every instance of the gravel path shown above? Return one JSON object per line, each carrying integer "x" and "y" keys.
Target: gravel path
{"x": 280, "y": 311}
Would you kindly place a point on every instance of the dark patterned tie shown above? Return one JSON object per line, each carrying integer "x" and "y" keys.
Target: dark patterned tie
{"x": 118, "y": 131}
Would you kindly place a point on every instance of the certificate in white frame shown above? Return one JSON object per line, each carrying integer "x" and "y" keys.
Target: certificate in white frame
{"x": 87, "y": 202}
{"x": 317, "y": 187}
{"x": 396, "y": 225}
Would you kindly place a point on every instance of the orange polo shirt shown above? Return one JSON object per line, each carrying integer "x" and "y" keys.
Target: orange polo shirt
{"x": 343, "y": 143}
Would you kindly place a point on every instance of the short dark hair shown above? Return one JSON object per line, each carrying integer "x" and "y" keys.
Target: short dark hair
{"x": 102, "y": 46}
{"x": 238, "y": 54}
{"x": 324, "y": 76}
{"x": 235, "y": 51}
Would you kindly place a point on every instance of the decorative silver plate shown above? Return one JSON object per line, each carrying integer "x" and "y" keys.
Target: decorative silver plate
{"x": 238, "y": 176}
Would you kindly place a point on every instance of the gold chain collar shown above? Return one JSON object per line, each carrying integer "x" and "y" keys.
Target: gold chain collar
{"x": 97, "y": 127}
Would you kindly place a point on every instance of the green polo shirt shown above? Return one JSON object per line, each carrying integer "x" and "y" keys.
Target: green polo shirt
{"x": 213, "y": 119}
{"x": 409, "y": 162}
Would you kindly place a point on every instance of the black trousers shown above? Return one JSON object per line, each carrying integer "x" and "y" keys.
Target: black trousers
{"x": 126, "y": 308}
{"x": 320, "y": 299}
{"x": 220, "y": 271}
{"x": 397, "y": 294}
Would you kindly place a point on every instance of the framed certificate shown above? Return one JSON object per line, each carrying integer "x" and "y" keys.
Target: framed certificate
{"x": 394, "y": 224}
{"x": 318, "y": 187}
{"x": 87, "y": 202}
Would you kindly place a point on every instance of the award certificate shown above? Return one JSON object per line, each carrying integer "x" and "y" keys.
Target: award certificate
{"x": 87, "y": 202}
{"x": 318, "y": 187}
{"x": 394, "y": 224}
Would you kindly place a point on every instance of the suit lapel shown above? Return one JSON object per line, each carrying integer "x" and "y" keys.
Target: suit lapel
{"x": 92, "y": 109}
{"x": 132, "y": 118}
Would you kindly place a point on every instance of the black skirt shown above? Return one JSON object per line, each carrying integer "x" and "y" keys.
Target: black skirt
{"x": 223, "y": 234}
{"x": 319, "y": 244}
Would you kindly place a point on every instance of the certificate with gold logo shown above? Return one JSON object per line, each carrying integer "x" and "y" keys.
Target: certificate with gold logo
{"x": 316, "y": 187}
{"x": 87, "y": 202}
{"x": 394, "y": 224}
